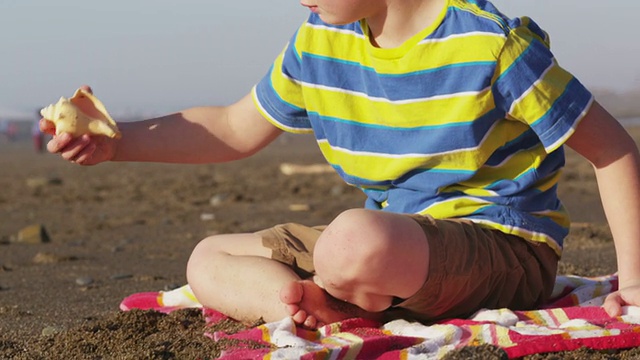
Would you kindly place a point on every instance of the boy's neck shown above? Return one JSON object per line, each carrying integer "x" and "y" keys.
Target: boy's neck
{"x": 401, "y": 20}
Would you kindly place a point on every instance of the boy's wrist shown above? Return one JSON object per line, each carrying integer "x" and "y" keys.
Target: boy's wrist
{"x": 627, "y": 280}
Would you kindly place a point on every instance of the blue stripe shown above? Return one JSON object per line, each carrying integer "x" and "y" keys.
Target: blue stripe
{"x": 452, "y": 79}
{"x": 525, "y": 71}
{"x": 359, "y": 181}
{"x": 459, "y": 21}
{"x": 354, "y": 136}
{"x": 274, "y": 105}
{"x": 527, "y": 140}
{"x": 389, "y": 127}
{"x": 568, "y": 108}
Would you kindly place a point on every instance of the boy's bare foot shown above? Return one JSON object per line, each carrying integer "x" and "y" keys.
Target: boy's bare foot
{"x": 312, "y": 307}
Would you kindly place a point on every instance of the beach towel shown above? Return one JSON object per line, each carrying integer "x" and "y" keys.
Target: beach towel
{"x": 572, "y": 319}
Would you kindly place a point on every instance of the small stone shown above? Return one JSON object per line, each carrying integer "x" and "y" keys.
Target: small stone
{"x": 77, "y": 243}
{"x": 40, "y": 181}
{"x": 84, "y": 281}
{"x": 207, "y": 217}
{"x": 50, "y": 331}
{"x": 299, "y": 207}
{"x": 120, "y": 276}
{"x": 33, "y": 234}
{"x": 48, "y": 258}
{"x": 337, "y": 190}
{"x": 216, "y": 200}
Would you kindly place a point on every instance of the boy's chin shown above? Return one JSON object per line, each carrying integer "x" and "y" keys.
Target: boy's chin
{"x": 335, "y": 21}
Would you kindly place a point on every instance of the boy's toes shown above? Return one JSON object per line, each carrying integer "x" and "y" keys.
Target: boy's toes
{"x": 292, "y": 309}
{"x": 300, "y": 317}
{"x": 291, "y": 293}
{"x": 310, "y": 323}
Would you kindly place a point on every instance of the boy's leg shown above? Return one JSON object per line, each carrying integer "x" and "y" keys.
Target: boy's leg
{"x": 421, "y": 268}
{"x": 367, "y": 258}
{"x": 235, "y": 275}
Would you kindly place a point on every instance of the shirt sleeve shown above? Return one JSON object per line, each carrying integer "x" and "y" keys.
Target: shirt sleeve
{"x": 531, "y": 87}
{"x": 279, "y": 96}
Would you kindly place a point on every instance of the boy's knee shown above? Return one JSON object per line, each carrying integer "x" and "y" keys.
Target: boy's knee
{"x": 343, "y": 250}
{"x": 347, "y": 233}
{"x": 339, "y": 240}
{"x": 200, "y": 258}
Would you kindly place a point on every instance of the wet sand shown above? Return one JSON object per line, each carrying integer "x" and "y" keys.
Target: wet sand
{"x": 121, "y": 228}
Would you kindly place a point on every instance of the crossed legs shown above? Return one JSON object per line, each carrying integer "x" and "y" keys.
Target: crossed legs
{"x": 362, "y": 260}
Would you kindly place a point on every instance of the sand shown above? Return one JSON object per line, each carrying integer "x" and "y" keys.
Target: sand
{"x": 121, "y": 228}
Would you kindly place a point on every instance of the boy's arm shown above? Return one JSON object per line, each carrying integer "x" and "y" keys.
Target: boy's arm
{"x": 616, "y": 161}
{"x": 196, "y": 135}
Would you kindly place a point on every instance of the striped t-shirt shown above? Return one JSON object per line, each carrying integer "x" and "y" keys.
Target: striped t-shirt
{"x": 464, "y": 120}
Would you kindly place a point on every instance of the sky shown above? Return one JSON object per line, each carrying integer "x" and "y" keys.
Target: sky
{"x": 150, "y": 57}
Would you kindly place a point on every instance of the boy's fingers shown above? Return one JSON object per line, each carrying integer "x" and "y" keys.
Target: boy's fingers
{"x": 74, "y": 148}
{"x": 47, "y": 127}
{"x": 87, "y": 88}
{"x": 84, "y": 155}
{"x": 58, "y": 143}
{"x": 613, "y": 304}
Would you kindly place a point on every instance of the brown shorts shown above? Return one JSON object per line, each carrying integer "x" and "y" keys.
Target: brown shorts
{"x": 470, "y": 268}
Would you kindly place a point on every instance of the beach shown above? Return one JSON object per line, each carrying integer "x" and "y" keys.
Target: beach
{"x": 108, "y": 231}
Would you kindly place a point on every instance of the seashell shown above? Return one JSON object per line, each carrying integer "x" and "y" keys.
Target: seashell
{"x": 81, "y": 114}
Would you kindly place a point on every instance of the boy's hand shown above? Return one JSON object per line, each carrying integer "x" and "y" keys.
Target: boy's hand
{"x": 83, "y": 150}
{"x": 629, "y": 295}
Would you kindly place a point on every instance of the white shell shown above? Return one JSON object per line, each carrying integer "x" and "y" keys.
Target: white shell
{"x": 81, "y": 114}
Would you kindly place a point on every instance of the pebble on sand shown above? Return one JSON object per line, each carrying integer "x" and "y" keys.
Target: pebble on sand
{"x": 84, "y": 281}
{"x": 49, "y": 258}
{"x": 40, "y": 181}
{"x": 299, "y": 207}
{"x": 50, "y": 331}
{"x": 120, "y": 276}
{"x": 33, "y": 234}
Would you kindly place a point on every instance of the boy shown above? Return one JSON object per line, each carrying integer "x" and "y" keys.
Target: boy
{"x": 451, "y": 118}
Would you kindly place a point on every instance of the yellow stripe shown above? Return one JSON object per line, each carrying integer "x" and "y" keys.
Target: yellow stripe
{"x": 379, "y": 167}
{"x": 516, "y": 43}
{"x": 502, "y": 334}
{"x": 434, "y": 111}
{"x": 476, "y": 335}
{"x": 355, "y": 344}
{"x": 560, "y": 315}
{"x": 340, "y": 47}
{"x": 288, "y": 89}
{"x": 265, "y": 334}
{"x": 455, "y": 207}
{"x": 370, "y": 166}
{"x": 533, "y": 236}
{"x": 464, "y": 206}
{"x": 487, "y": 176}
{"x": 548, "y": 182}
{"x": 535, "y": 103}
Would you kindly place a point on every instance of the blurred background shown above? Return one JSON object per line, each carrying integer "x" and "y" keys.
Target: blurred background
{"x": 149, "y": 57}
